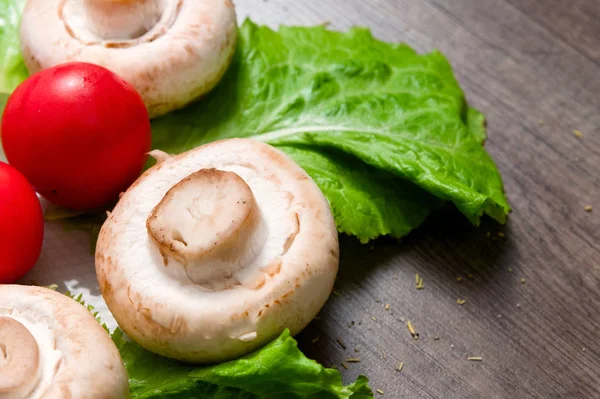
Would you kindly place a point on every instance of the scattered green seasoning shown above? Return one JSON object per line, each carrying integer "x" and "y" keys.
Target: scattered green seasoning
{"x": 461, "y": 301}
{"x": 475, "y": 358}
{"x": 341, "y": 343}
{"x": 578, "y": 133}
{"x": 384, "y": 355}
{"x": 353, "y": 360}
{"x": 400, "y": 367}
{"x": 379, "y": 391}
{"x": 412, "y": 330}
{"x": 419, "y": 282}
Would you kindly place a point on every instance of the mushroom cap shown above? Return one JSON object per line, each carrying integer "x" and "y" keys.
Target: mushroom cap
{"x": 214, "y": 252}
{"x": 52, "y": 347}
{"x": 180, "y": 54}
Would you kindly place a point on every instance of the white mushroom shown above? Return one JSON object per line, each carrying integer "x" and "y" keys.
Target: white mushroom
{"x": 213, "y": 252}
{"x": 171, "y": 51}
{"x": 52, "y": 347}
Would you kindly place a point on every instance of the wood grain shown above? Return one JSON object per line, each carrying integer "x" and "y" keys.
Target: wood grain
{"x": 533, "y": 67}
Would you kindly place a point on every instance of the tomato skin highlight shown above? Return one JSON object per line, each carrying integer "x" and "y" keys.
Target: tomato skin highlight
{"x": 21, "y": 225}
{"x": 78, "y": 132}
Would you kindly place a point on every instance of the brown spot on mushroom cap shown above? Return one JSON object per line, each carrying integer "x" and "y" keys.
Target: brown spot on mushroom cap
{"x": 272, "y": 268}
{"x": 296, "y": 229}
{"x": 239, "y": 316}
{"x": 291, "y": 292}
{"x": 31, "y": 61}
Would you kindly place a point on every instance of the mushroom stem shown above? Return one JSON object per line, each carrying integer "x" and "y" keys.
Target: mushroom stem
{"x": 122, "y": 19}
{"x": 19, "y": 359}
{"x": 160, "y": 156}
{"x": 210, "y": 223}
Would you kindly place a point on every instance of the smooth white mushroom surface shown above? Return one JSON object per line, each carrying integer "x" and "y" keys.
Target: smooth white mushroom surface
{"x": 52, "y": 347}
{"x": 212, "y": 253}
{"x": 171, "y": 51}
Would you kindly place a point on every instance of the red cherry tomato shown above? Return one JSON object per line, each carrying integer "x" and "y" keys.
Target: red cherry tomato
{"x": 78, "y": 132}
{"x": 21, "y": 225}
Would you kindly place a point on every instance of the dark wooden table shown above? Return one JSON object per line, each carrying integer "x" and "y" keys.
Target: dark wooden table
{"x": 533, "y": 67}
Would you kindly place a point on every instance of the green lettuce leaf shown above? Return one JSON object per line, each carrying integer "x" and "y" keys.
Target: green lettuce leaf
{"x": 277, "y": 371}
{"x": 365, "y": 201}
{"x": 12, "y": 68}
{"x": 393, "y": 114}
{"x": 476, "y": 124}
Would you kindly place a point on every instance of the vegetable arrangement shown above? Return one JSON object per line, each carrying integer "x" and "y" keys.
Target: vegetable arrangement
{"x": 231, "y": 246}
{"x": 386, "y": 133}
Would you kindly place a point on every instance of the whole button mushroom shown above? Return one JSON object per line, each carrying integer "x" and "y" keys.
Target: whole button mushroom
{"x": 52, "y": 347}
{"x": 214, "y": 252}
{"x": 171, "y": 51}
